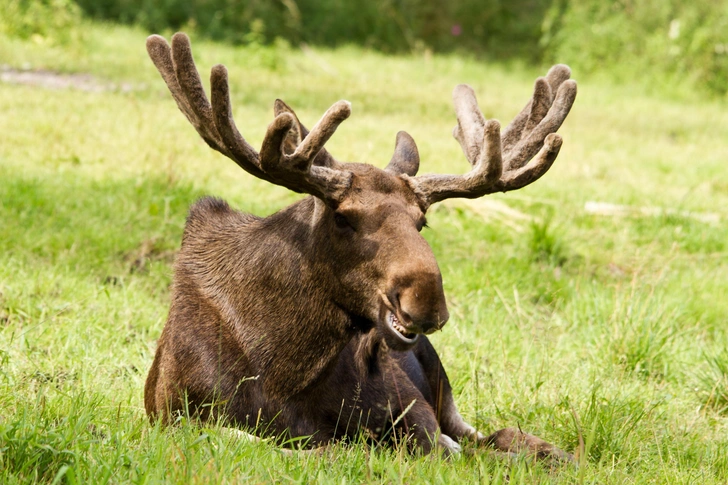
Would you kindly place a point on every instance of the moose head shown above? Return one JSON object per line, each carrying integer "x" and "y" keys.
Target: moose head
{"x": 343, "y": 269}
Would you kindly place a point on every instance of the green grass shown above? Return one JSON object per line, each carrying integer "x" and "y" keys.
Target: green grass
{"x": 607, "y": 329}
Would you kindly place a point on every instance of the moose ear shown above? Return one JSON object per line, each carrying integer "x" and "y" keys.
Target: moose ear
{"x": 406, "y": 158}
{"x": 297, "y": 134}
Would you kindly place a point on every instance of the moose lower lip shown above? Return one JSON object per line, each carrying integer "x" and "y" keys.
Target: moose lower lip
{"x": 399, "y": 330}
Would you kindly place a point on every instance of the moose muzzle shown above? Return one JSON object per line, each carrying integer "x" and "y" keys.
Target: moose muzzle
{"x": 418, "y": 302}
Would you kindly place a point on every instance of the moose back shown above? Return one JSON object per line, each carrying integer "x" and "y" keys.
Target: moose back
{"x": 312, "y": 322}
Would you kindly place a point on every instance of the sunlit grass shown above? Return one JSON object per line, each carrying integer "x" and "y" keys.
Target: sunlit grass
{"x": 606, "y": 330}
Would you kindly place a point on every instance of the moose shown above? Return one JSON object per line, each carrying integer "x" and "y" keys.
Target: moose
{"x": 313, "y": 322}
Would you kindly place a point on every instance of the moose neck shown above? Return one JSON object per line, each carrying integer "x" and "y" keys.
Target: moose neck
{"x": 302, "y": 250}
{"x": 305, "y": 330}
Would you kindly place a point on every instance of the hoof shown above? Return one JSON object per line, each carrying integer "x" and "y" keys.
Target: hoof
{"x": 448, "y": 446}
{"x": 514, "y": 441}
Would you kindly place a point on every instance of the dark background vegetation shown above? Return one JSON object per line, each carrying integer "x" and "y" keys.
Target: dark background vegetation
{"x": 668, "y": 41}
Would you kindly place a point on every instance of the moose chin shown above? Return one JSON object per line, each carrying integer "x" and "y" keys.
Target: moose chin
{"x": 313, "y": 322}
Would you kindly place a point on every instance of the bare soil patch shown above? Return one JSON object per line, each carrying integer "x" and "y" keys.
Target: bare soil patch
{"x": 54, "y": 80}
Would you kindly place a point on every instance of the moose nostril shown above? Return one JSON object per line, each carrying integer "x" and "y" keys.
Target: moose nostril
{"x": 393, "y": 296}
{"x": 406, "y": 316}
{"x": 419, "y": 301}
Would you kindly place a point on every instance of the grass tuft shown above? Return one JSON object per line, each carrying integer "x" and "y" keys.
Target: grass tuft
{"x": 712, "y": 380}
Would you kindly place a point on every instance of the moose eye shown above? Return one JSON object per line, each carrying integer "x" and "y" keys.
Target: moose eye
{"x": 342, "y": 222}
{"x": 421, "y": 224}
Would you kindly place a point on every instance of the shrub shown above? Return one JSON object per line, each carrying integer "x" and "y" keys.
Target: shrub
{"x": 712, "y": 382}
{"x": 661, "y": 41}
{"x": 43, "y": 21}
{"x": 498, "y": 28}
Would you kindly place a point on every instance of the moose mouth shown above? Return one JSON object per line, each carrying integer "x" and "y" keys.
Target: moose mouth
{"x": 398, "y": 330}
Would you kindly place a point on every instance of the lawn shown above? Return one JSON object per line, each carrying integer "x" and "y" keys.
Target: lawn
{"x": 605, "y": 325}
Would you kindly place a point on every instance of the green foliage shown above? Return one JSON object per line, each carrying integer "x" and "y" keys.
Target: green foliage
{"x": 45, "y": 22}
{"x": 545, "y": 245}
{"x": 668, "y": 45}
{"x": 660, "y": 41}
{"x": 643, "y": 332}
{"x": 664, "y": 43}
{"x": 609, "y": 421}
{"x": 497, "y": 28}
{"x": 31, "y": 207}
{"x": 713, "y": 382}
{"x": 47, "y": 439}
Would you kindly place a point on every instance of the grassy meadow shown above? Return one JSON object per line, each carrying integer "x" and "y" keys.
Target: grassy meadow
{"x": 604, "y": 332}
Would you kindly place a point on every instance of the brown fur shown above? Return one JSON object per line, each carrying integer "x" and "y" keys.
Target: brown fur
{"x": 286, "y": 324}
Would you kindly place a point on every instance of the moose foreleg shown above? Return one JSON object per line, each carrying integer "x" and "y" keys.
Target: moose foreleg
{"x": 402, "y": 410}
{"x": 427, "y": 371}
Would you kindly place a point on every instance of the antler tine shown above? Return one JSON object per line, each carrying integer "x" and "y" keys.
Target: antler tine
{"x": 487, "y": 169}
{"x": 541, "y": 163}
{"x": 161, "y": 55}
{"x": 501, "y": 163}
{"x": 540, "y": 104}
{"x": 214, "y": 122}
{"x": 321, "y": 132}
{"x": 322, "y": 181}
{"x": 479, "y": 139}
{"x": 471, "y": 123}
{"x": 532, "y": 138}
{"x": 323, "y": 158}
{"x": 217, "y": 120}
{"x": 189, "y": 79}
{"x": 240, "y": 151}
{"x": 271, "y": 152}
{"x": 555, "y": 77}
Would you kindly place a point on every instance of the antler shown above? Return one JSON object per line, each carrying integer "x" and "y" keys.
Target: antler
{"x": 501, "y": 162}
{"x": 291, "y": 168}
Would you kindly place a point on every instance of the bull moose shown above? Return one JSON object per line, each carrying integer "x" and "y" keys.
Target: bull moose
{"x": 312, "y": 322}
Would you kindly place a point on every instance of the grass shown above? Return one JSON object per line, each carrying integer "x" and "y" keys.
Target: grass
{"x": 578, "y": 327}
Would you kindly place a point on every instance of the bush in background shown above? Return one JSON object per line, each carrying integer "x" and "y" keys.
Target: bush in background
{"x": 659, "y": 42}
{"x": 42, "y": 21}
{"x": 666, "y": 41}
{"x": 499, "y": 29}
